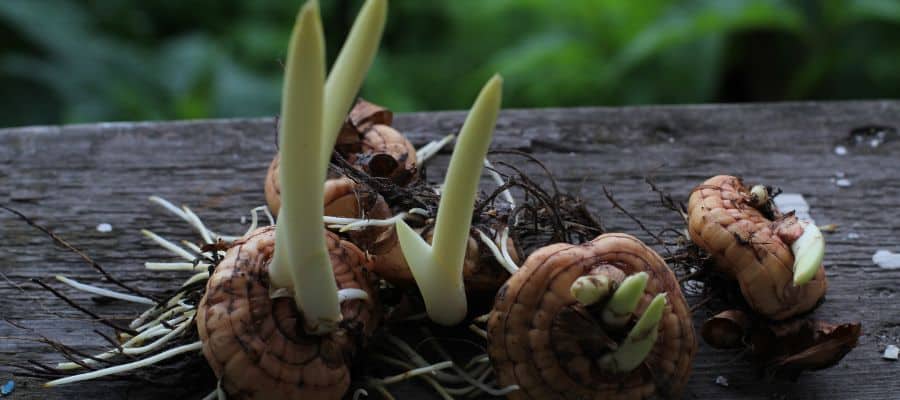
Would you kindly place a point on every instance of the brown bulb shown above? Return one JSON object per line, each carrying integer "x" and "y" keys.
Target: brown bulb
{"x": 257, "y": 345}
{"x": 542, "y": 339}
{"x": 751, "y": 248}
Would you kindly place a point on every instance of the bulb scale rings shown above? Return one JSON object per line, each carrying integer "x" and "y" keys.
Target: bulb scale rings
{"x": 546, "y": 340}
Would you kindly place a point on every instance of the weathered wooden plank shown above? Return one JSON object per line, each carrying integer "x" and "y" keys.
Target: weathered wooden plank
{"x": 74, "y": 177}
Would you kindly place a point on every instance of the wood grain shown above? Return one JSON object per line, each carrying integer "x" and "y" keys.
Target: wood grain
{"x": 72, "y": 178}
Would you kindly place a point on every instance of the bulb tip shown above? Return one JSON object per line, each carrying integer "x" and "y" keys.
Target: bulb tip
{"x": 590, "y": 289}
{"x": 809, "y": 251}
{"x": 308, "y": 10}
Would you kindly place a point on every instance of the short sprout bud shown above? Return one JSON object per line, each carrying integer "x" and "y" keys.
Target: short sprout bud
{"x": 624, "y": 300}
{"x": 759, "y": 196}
{"x": 590, "y": 289}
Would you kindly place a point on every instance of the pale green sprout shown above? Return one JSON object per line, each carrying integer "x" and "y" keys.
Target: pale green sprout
{"x": 438, "y": 269}
{"x": 809, "y": 250}
{"x": 624, "y": 300}
{"x": 300, "y": 247}
{"x": 590, "y": 289}
{"x": 639, "y": 342}
{"x": 310, "y": 111}
{"x": 349, "y": 70}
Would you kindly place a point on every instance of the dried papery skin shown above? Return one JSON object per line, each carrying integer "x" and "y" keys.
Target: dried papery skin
{"x": 362, "y": 117}
{"x": 257, "y": 346}
{"x": 787, "y": 349}
{"x": 343, "y": 197}
{"x": 481, "y": 273}
{"x": 385, "y": 153}
{"x": 727, "y": 329}
{"x": 782, "y": 349}
{"x": 365, "y": 114}
{"x": 542, "y": 339}
{"x": 380, "y": 150}
{"x": 368, "y": 143}
{"x": 750, "y": 248}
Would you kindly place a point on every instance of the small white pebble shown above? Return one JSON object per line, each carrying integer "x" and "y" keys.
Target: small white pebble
{"x": 843, "y": 182}
{"x": 886, "y": 259}
{"x": 104, "y": 227}
{"x": 722, "y": 381}
{"x": 840, "y": 150}
{"x": 891, "y": 353}
{"x": 874, "y": 143}
{"x": 243, "y": 219}
{"x": 853, "y": 235}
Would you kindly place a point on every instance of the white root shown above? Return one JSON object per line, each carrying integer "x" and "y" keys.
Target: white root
{"x": 416, "y": 372}
{"x": 194, "y": 220}
{"x": 218, "y": 393}
{"x": 192, "y": 247}
{"x": 426, "y": 152}
{"x": 169, "y": 206}
{"x": 507, "y": 195}
{"x": 104, "y": 292}
{"x": 187, "y": 215}
{"x": 462, "y": 373}
{"x": 505, "y": 262}
{"x": 127, "y": 347}
{"x": 175, "y": 266}
{"x": 478, "y": 331}
{"x": 480, "y": 359}
{"x": 169, "y": 245}
{"x": 473, "y": 379}
{"x": 419, "y": 211}
{"x": 345, "y": 224}
{"x": 360, "y": 393}
{"x": 431, "y": 380}
{"x": 418, "y": 361}
{"x": 178, "y": 312}
{"x": 200, "y": 276}
{"x": 181, "y": 313}
{"x": 168, "y": 314}
{"x": 504, "y": 247}
{"x": 254, "y": 218}
{"x": 352, "y": 294}
{"x": 118, "y": 369}
{"x": 357, "y": 225}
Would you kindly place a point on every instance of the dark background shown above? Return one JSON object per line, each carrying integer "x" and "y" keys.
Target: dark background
{"x": 65, "y": 61}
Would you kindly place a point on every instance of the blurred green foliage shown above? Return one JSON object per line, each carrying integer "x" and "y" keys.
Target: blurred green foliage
{"x": 93, "y": 60}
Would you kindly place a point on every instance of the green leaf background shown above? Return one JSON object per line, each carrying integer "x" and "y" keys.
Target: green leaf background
{"x": 67, "y": 61}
